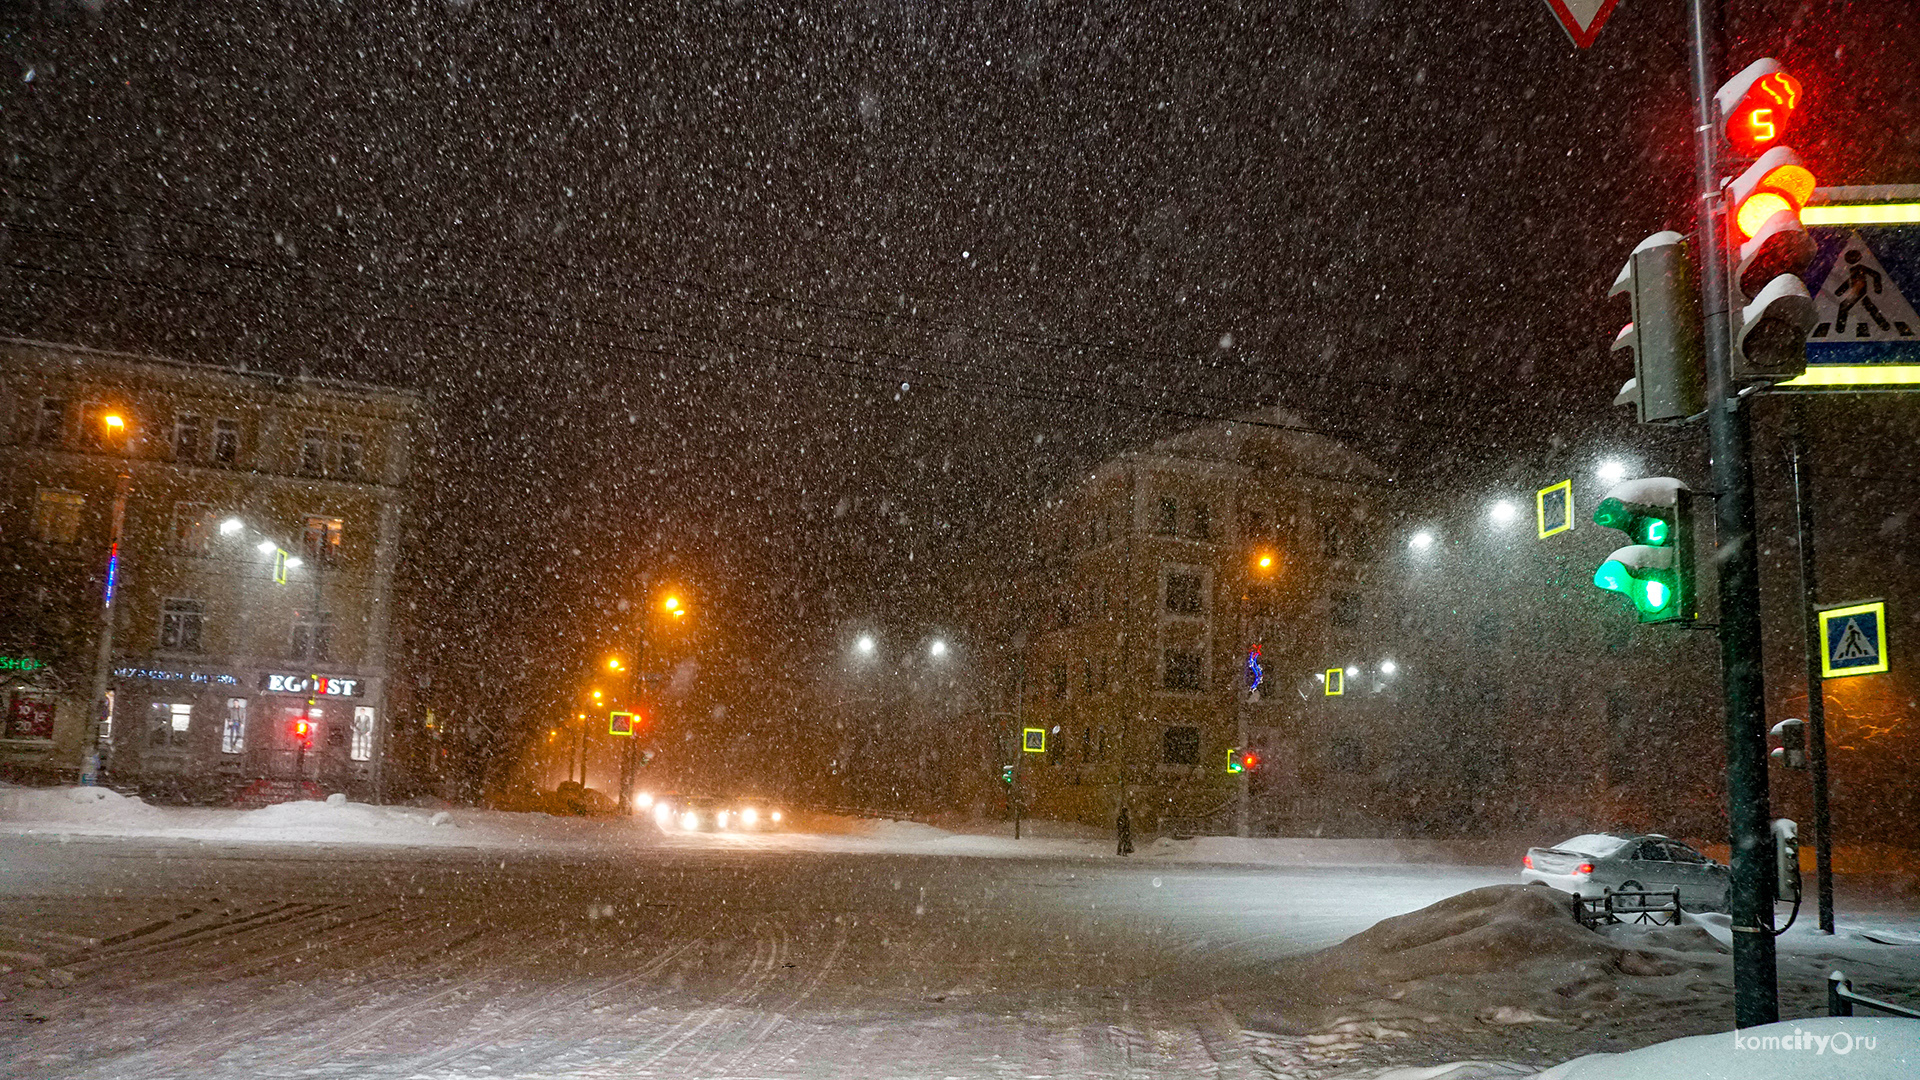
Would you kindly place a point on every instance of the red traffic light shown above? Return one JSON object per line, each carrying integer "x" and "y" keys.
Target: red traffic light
{"x": 1250, "y": 761}
{"x": 1757, "y": 105}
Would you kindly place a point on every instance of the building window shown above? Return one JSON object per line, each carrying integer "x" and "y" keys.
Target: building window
{"x": 1202, "y": 521}
{"x": 226, "y": 442}
{"x": 353, "y": 461}
{"x": 1330, "y": 539}
{"x": 180, "y": 620}
{"x": 96, "y": 433}
{"x": 50, "y": 429}
{"x": 192, "y": 528}
{"x": 323, "y": 542}
{"x": 362, "y": 748}
{"x": 1253, "y": 525}
{"x": 168, "y": 723}
{"x": 1183, "y": 593}
{"x": 56, "y": 516}
{"x": 313, "y": 452}
{"x": 233, "y": 736}
{"x": 312, "y": 635}
{"x": 1086, "y": 674}
{"x": 1185, "y": 671}
{"x": 186, "y": 438}
{"x": 1169, "y": 517}
{"x": 1180, "y": 746}
{"x": 1059, "y": 682}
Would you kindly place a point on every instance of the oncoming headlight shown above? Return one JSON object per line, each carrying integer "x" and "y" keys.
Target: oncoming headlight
{"x": 643, "y": 800}
{"x": 690, "y": 820}
{"x": 749, "y": 817}
{"x": 720, "y": 819}
{"x": 776, "y": 817}
{"x": 662, "y": 814}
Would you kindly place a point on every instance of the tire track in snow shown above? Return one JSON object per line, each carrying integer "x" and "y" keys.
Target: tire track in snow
{"x": 553, "y": 1002}
{"x": 779, "y": 1018}
{"x": 750, "y": 982}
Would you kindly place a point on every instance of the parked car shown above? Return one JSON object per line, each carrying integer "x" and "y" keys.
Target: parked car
{"x": 1594, "y": 864}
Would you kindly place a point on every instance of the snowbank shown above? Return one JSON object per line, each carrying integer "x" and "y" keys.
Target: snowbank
{"x": 91, "y": 805}
{"x": 1497, "y": 957}
{"x": 1854, "y": 1047}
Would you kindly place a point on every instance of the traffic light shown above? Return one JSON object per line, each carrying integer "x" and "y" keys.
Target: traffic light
{"x": 1665, "y": 332}
{"x": 1792, "y": 751}
{"x": 1767, "y": 247}
{"x": 1006, "y": 775}
{"x": 1236, "y": 761}
{"x": 1656, "y": 570}
{"x": 303, "y": 732}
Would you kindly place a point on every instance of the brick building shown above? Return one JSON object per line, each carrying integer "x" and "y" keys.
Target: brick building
{"x": 253, "y": 584}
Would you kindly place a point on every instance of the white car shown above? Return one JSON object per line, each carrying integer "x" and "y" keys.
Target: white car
{"x": 1594, "y": 864}
{"x": 698, "y": 814}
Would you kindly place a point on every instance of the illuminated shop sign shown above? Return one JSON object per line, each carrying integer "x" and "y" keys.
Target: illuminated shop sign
{"x": 207, "y": 678}
{"x": 313, "y": 685}
{"x": 21, "y": 663}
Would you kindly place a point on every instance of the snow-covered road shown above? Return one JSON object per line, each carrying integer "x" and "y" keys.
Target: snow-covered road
{"x": 584, "y": 949}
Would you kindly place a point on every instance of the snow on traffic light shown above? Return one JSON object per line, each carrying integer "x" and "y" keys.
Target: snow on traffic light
{"x": 1768, "y": 249}
{"x": 1655, "y": 571}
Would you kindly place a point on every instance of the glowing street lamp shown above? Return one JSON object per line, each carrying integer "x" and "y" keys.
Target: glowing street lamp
{"x": 937, "y": 648}
{"x": 1503, "y": 513}
{"x": 865, "y": 645}
{"x": 1422, "y": 540}
{"x": 1610, "y": 471}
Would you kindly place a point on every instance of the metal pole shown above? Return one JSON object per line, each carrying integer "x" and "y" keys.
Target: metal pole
{"x": 91, "y": 761}
{"x": 1019, "y": 738}
{"x": 1240, "y": 799}
{"x": 1816, "y": 682}
{"x": 1750, "y": 894}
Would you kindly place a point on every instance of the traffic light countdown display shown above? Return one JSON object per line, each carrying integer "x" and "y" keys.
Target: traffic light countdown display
{"x": 1768, "y": 248}
{"x": 1655, "y": 571}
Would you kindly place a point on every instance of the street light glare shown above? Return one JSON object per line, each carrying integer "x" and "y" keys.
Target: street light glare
{"x": 1421, "y": 541}
{"x": 264, "y": 547}
{"x": 1610, "y": 472}
{"x": 613, "y": 664}
{"x": 938, "y": 648}
{"x": 865, "y": 644}
{"x": 114, "y": 420}
{"x": 1503, "y": 512}
{"x": 294, "y": 563}
{"x": 1388, "y": 667}
{"x": 231, "y": 526}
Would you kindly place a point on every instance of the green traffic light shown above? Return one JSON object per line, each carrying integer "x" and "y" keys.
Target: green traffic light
{"x": 1612, "y": 577}
{"x": 1657, "y": 533}
{"x": 1655, "y": 597}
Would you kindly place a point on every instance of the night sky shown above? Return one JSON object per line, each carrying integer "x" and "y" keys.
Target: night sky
{"x": 807, "y": 305}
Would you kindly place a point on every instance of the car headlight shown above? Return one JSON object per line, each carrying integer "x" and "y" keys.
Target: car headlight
{"x": 749, "y": 817}
{"x": 776, "y": 817}
{"x": 662, "y": 814}
{"x": 643, "y": 800}
{"x": 690, "y": 820}
{"x": 720, "y": 819}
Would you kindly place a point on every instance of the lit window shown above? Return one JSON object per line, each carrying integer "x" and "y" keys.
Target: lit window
{"x": 168, "y": 723}
{"x": 362, "y": 747}
{"x": 233, "y": 737}
{"x": 323, "y": 541}
{"x": 180, "y": 624}
{"x": 56, "y": 516}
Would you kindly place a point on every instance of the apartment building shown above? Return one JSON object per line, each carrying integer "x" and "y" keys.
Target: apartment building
{"x": 260, "y": 520}
{"x": 1189, "y": 599}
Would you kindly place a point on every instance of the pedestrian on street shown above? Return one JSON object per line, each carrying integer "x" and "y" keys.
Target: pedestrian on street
{"x": 1125, "y": 827}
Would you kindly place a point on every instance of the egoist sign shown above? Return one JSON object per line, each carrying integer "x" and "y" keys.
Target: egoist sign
{"x": 313, "y": 685}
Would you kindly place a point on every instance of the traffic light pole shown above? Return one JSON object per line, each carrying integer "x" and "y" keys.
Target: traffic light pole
{"x": 1816, "y": 679}
{"x": 1750, "y": 894}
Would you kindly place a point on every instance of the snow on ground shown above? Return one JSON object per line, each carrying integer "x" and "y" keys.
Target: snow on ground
{"x": 1859, "y": 1048}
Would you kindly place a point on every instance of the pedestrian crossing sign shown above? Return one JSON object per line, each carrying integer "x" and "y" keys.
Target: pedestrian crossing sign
{"x": 1553, "y": 508}
{"x": 1855, "y": 637}
{"x": 1033, "y": 740}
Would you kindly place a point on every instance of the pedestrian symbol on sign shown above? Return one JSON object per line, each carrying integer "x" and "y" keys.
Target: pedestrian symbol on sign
{"x": 1856, "y": 639}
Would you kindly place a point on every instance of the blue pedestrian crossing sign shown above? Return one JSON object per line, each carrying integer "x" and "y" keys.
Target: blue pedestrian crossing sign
{"x": 1865, "y": 280}
{"x": 1855, "y": 637}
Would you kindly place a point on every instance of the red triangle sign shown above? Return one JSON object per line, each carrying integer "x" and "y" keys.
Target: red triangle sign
{"x": 1582, "y": 19}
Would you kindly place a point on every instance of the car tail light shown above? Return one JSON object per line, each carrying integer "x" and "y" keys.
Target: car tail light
{"x": 1527, "y": 861}
{"x": 1584, "y": 868}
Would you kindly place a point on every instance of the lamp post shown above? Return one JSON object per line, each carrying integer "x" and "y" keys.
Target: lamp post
{"x": 1259, "y": 568}
{"x": 101, "y": 702}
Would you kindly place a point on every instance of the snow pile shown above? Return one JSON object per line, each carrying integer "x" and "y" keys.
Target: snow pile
{"x": 1495, "y": 957}
{"x": 336, "y": 815}
{"x": 76, "y": 805}
{"x": 1855, "y": 1047}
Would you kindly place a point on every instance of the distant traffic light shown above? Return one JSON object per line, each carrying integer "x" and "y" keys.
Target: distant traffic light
{"x": 303, "y": 732}
{"x": 1236, "y": 760}
{"x": 1665, "y": 332}
{"x": 1655, "y": 572}
{"x": 1767, "y": 248}
{"x": 1006, "y": 774}
{"x": 1792, "y": 751}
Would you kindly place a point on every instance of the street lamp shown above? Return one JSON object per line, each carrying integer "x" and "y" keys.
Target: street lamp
{"x": 937, "y": 648}
{"x": 865, "y": 645}
{"x": 1610, "y": 471}
{"x": 1388, "y": 667}
{"x": 1503, "y": 513}
{"x": 1421, "y": 540}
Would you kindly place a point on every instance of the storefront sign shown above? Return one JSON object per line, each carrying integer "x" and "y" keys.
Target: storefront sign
{"x": 21, "y": 663}
{"x": 314, "y": 685}
{"x": 208, "y": 678}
